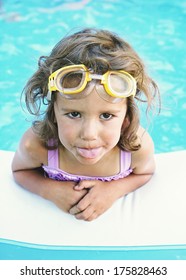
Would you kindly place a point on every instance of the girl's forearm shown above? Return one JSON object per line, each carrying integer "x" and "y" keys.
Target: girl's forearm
{"x": 130, "y": 183}
{"x": 62, "y": 194}
{"x": 34, "y": 181}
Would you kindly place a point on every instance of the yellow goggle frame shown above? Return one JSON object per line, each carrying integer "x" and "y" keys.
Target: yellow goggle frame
{"x": 117, "y": 84}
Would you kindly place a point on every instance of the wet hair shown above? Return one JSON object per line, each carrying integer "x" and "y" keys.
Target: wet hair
{"x": 101, "y": 51}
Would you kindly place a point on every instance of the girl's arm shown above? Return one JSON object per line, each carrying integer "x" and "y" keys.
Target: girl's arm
{"x": 102, "y": 195}
{"x": 27, "y": 172}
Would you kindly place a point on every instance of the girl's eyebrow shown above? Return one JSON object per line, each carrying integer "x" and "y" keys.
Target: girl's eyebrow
{"x": 110, "y": 111}
{"x": 68, "y": 109}
{"x": 71, "y": 108}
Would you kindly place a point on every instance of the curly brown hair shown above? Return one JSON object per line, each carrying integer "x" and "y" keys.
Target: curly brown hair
{"x": 101, "y": 51}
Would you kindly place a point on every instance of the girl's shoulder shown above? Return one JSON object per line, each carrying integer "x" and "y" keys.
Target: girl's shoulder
{"x": 33, "y": 147}
{"x": 145, "y": 139}
{"x": 145, "y": 155}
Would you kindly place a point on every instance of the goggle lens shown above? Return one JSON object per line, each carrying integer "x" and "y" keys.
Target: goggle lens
{"x": 120, "y": 85}
{"x": 70, "y": 82}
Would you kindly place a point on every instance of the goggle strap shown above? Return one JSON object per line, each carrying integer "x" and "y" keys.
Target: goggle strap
{"x": 96, "y": 76}
{"x": 49, "y": 96}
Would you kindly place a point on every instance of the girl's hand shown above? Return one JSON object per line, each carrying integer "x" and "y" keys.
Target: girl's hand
{"x": 63, "y": 195}
{"x": 100, "y": 197}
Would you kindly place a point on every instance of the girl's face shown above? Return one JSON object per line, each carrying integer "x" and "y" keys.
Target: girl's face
{"x": 89, "y": 128}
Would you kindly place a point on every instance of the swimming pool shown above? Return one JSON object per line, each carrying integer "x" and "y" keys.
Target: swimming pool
{"x": 156, "y": 29}
{"x": 157, "y": 32}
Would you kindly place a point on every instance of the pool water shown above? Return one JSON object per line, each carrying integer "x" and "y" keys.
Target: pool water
{"x": 156, "y": 30}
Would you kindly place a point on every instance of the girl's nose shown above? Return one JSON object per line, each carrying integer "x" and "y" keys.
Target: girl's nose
{"x": 89, "y": 130}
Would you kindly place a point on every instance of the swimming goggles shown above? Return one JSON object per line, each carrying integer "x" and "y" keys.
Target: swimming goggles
{"x": 73, "y": 83}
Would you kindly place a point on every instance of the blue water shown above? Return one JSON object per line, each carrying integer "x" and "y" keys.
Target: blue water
{"x": 156, "y": 29}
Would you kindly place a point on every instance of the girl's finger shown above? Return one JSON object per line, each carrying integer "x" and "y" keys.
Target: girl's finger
{"x": 84, "y": 185}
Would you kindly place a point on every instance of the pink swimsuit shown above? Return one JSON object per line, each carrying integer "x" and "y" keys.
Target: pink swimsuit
{"x": 52, "y": 171}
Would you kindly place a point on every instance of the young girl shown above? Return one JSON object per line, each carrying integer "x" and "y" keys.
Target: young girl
{"x": 87, "y": 149}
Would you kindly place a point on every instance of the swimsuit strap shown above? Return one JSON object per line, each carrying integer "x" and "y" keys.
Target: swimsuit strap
{"x": 125, "y": 161}
{"x": 53, "y": 160}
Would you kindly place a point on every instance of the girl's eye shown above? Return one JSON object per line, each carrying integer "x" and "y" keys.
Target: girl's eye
{"x": 106, "y": 116}
{"x": 74, "y": 115}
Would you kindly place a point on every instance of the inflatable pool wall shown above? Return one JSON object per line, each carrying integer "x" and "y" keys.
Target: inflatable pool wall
{"x": 146, "y": 224}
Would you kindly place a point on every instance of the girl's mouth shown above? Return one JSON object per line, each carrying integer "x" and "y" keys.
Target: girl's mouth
{"x": 89, "y": 153}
